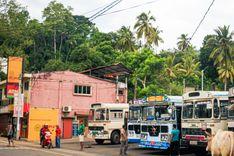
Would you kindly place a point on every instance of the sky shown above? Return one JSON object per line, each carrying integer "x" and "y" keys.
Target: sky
{"x": 173, "y": 17}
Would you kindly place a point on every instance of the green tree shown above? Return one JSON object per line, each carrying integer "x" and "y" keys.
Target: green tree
{"x": 183, "y": 42}
{"x": 145, "y": 29}
{"x": 223, "y": 52}
{"x": 126, "y": 39}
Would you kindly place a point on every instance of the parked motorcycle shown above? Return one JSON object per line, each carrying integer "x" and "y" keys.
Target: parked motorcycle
{"x": 47, "y": 140}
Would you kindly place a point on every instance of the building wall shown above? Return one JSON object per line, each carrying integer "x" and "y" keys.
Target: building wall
{"x": 57, "y": 89}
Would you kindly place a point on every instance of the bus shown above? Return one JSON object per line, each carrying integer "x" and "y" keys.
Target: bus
{"x": 158, "y": 120}
{"x": 134, "y": 123}
{"x": 106, "y": 120}
{"x": 231, "y": 110}
{"x": 203, "y": 111}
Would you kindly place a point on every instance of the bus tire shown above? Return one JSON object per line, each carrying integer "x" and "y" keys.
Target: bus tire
{"x": 99, "y": 141}
{"x": 115, "y": 137}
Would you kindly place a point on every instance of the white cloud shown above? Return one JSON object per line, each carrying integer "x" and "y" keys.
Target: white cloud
{"x": 174, "y": 17}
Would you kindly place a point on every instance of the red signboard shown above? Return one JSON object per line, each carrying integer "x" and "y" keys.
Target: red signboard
{"x": 11, "y": 89}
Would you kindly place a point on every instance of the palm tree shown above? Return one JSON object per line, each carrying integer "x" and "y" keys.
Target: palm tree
{"x": 189, "y": 67}
{"x": 154, "y": 37}
{"x": 223, "y": 52}
{"x": 126, "y": 40}
{"x": 170, "y": 69}
{"x": 226, "y": 73}
{"x": 144, "y": 29}
{"x": 183, "y": 42}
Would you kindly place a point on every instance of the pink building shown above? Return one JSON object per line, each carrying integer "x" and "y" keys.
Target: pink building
{"x": 73, "y": 93}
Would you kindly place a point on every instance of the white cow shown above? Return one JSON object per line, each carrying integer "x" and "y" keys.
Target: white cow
{"x": 221, "y": 144}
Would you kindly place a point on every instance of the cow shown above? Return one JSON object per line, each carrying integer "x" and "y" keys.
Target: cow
{"x": 221, "y": 144}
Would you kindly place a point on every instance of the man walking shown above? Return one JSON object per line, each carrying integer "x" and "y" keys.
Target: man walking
{"x": 175, "y": 141}
{"x": 10, "y": 134}
{"x": 123, "y": 141}
{"x": 58, "y": 136}
{"x": 81, "y": 134}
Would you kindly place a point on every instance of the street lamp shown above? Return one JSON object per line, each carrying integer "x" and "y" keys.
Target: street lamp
{"x": 202, "y": 77}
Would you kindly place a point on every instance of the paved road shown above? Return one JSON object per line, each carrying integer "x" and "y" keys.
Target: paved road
{"x": 30, "y": 149}
{"x": 113, "y": 150}
{"x": 71, "y": 149}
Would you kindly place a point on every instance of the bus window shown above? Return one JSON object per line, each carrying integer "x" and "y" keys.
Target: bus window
{"x": 154, "y": 130}
{"x": 164, "y": 129}
{"x": 107, "y": 114}
{"x": 144, "y": 128}
{"x": 224, "y": 110}
{"x": 203, "y": 109}
{"x": 100, "y": 114}
{"x": 148, "y": 113}
{"x": 216, "y": 108}
{"x": 116, "y": 114}
{"x": 130, "y": 127}
{"x": 137, "y": 129}
{"x": 188, "y": 111}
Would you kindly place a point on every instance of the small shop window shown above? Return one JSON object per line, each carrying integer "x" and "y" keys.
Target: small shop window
{"x": 26, "y": 85}
{"x": 85, "y": 90}
{"x": 121, "y": 92}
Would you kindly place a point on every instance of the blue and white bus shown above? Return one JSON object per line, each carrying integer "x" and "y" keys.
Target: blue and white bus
{"x": 158, "y": 121}
{"x": 134, "y": 123}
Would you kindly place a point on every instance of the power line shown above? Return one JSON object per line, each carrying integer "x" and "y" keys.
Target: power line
{"x": 85, "y": 13}
{"x": 102, "y": 11}
{"x": 132, "y": 7}
{"x": 204, "y": 16}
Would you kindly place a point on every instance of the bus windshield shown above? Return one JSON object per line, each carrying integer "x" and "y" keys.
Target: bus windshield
{"x": 100, "y": 114}
{"x": 148, "y": 113}
{"x": 163, "y": 112}
{"x": 135, "y": 113}
{"x": 203, "y": 109}
{"x": 188, "y": 111}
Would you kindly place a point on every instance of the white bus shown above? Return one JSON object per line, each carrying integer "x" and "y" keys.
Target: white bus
{"x": 134, "y": 123}
{"x": 231, "y": 110}
{"x": 107, "y": 120}
{"x": 203, "y": 110}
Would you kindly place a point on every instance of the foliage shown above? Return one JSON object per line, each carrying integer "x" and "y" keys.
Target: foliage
{"x": 63, "y": 41}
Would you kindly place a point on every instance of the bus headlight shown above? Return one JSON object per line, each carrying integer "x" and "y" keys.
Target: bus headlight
{"x": 144, "y": 136}
{"x": 164, "y": 137}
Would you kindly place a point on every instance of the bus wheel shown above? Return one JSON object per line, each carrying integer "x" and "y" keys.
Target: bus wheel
{"x": 115, "y": 138}
{"x": 99, "y": 141}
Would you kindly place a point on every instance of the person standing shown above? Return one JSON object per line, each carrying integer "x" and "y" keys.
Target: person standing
{"x": 58, "y": 136}
{"x": 42, "y": 130}
{"x": 10, "y": 134}
{"x": 123, "y": 141}
{"x": 81, "y": 134}
{"x": 175, "y": 141}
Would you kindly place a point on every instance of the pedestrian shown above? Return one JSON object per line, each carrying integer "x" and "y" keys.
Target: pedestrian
{"x": 123, "y": 141}
{"x": 58, "y": 136}
{"x": 175, "y": 142}
{"x": 41, "y": 134}
{"x": 10, "y": 134}
{"x": 81, "y": 135}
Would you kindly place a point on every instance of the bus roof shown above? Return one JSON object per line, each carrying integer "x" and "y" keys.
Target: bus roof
{"x": 177, "y": 100}
{"x": 110, "y": 105}
{"x": 205, "y": 95}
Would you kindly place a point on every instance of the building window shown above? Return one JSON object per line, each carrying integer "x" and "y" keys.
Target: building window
{"x": 26, "y": 85}
{"x": 86, "y": 90}
{"x": 121, "y": 92}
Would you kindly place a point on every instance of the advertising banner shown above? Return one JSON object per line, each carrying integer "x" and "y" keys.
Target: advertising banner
{"x": 12, "y": 88}
{"x": 18, "y": 105}
{"x": 14, "y": 70}
{"x": 155, "y": 98}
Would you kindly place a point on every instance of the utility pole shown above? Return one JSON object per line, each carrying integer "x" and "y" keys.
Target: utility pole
{"x": 202, "y": 77}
